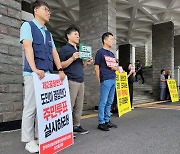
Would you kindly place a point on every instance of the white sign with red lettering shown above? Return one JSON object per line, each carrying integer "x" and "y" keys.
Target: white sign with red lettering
{"x": 132, "y": 69}
{"x": 110, "y": 61}
{"x": 54, "y": 113}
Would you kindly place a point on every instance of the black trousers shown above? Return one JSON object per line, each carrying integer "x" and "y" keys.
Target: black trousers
{"x": 141, "y": 74}
{"x": 131, "y": 93}
{"x": 168, "y": 97}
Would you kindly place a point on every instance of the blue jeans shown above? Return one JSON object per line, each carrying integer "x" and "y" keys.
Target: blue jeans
{"x": 107, "y": 89}
{"x": 162, "y": 93}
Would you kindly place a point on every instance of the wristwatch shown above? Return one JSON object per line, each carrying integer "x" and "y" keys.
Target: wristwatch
{"x": 60, "y": 69}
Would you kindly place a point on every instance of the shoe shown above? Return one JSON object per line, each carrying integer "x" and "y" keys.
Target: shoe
{"x": 32, "y": 147}
{"x": 79, "y": 129}
{"x": 114, "y": 111}
{"x": 132, "y": 108}
{"x": 103, "y": 127}
{"x": 96, "y": 108}
{"x": 110, "y": 124}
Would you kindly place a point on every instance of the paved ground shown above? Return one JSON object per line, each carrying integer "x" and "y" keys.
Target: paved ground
{"x": 142, "y": 131}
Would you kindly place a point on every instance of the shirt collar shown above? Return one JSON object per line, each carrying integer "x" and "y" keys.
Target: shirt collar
{"x": 106, "y": 50}
{"x": 71, "y": 45}
{"x": 39, "y": 25}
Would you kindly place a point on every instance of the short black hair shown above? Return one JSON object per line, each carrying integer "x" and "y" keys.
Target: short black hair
{"x": 137, "y": 60}
{"x": 162, "y": 71}
{"x": 105, "y": 35}
{"x": 71, "y": 29}
{"x": 37, "y": 4}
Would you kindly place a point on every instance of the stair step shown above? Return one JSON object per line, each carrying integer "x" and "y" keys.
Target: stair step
{"x": 143, "y": 92}
{"x": 143, "y": 101}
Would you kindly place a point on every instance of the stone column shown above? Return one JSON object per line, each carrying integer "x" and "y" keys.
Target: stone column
{"x": 132, "y": 56}
{"x": 162, "y": 52}
{"x": 96, "y": 17}
{"x": 125, "y": 54}
{"x": 10, "y": 61}
{"x": 177, "y": 50}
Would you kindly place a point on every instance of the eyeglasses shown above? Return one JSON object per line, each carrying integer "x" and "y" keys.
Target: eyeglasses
{"x": 47, "y": 10}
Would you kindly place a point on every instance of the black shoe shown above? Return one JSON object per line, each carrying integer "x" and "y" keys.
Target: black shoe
{"x": 114, "y": 111}
{"x": 110, "y": 124}
{"x": 96, "y": 108}
{"x": 74, "y": 136}
{"x": 103, "y": 127}
{"x": 79, "y": 129}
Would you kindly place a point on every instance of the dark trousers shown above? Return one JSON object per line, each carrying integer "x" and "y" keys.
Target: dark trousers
{"x": 131, "y": 93}
{"x": 141, "y": 74}
{"x": 168, "y": 97}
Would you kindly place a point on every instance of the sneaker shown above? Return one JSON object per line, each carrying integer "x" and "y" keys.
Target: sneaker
{"x": 79, "y": 129}
{"x": 110, "y": 124}
{"x": 103, "y": 127}
{"x": 132, "y": 108}
{"x": 32, "y": 147}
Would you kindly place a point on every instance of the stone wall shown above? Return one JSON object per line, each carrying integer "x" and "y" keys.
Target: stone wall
{"x": 10, "y": 61}
{"x": 140, "y": 54}
{"x": 148, "y": 54}
{"x": 96, "y": 18}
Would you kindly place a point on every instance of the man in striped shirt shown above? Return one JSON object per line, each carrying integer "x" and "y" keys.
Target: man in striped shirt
{"x": 162, "y": 85}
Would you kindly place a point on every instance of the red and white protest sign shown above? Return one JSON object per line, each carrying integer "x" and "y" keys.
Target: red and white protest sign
{"x": 132, "y": 69}
{"x": 54, "y": 113}
{"x": 110, "y": 61}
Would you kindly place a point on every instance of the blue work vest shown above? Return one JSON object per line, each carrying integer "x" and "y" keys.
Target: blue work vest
{"x": 42, "y": 51}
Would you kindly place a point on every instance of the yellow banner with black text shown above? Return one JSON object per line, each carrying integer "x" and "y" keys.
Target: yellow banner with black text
{"x": 173, "y": 90}
{"x": 122, "y": 90}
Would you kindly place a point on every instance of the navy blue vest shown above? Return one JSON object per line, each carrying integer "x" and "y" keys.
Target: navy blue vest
{"x": 42, "y": 52}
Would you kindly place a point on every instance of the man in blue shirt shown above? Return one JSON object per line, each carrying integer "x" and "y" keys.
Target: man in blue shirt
{"x": 105, "y": 67}
{"x": 73, "y": 68}
{"x": 40, "y": 52}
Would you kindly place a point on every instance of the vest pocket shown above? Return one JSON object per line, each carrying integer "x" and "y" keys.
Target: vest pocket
{"x": 40, "y": 55}
{"x": 38, "y": 50}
